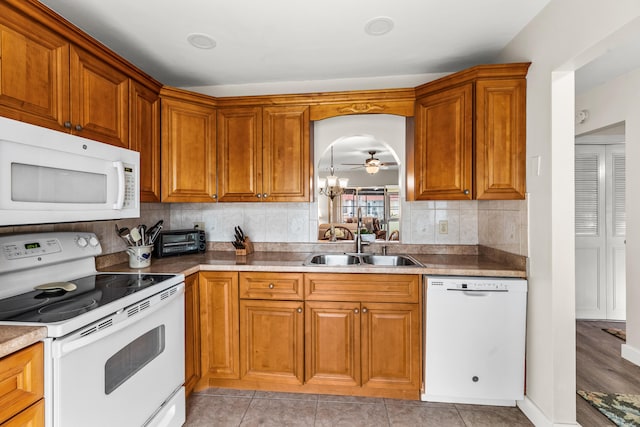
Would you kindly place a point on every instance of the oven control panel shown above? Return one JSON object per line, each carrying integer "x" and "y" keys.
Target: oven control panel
{"x": 31, "y": 248}
{"x": 20, "y": 251}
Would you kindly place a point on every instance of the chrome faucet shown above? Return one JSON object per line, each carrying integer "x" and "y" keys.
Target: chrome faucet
{"x": 359, "y": 242}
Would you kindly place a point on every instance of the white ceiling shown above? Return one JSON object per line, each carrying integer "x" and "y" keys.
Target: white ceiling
{"x": 260, "y": 41}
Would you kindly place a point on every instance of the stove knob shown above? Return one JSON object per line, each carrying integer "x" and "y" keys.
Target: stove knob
{"x": 93, "y": 241}
{"x": 82, "y": 242}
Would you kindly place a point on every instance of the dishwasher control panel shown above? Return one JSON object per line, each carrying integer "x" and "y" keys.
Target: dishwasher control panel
{"x": 489, "y": 284}
{"x": 484, "y": 286}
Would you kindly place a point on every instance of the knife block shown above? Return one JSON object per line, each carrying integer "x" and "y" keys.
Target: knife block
{"x": 248, "y": 248}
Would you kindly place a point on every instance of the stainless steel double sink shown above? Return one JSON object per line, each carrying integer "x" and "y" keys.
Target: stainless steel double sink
{"x": 364, "y": 260}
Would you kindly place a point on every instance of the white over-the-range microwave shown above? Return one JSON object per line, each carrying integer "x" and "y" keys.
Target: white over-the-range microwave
{"x": 48, "y": 176}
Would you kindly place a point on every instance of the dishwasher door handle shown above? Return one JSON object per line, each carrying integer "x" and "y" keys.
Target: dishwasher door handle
{"x": 478, "y": 292}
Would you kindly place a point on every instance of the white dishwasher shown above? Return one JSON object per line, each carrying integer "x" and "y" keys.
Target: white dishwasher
{"x": 475, "y": 340}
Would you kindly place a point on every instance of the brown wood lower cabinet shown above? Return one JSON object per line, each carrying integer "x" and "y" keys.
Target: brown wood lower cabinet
{"x": 192, "y": 371}
{"x": 351, "y": 334}
{"x": 372, "y": 345}
{"x": 333, "y": 343}
{"x": 271, "y": 341}
{"x": 22, "y": 387}
{"x": 219, "y": 332}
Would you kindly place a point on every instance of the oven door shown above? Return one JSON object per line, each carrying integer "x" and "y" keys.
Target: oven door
{"x": 121, "y": 370}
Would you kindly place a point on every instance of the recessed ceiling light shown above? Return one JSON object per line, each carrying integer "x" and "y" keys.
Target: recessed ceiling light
{"x": 201, "y": 41}
{"x": 378, "y": 26}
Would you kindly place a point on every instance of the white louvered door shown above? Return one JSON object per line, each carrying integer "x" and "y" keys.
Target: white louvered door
{"x": 600, "y": 231}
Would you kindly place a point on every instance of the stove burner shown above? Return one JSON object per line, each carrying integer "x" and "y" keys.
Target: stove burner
{"x": 72, "y": 306}
{"x": 130, "y": 282}
{"x": 20, "y": 304}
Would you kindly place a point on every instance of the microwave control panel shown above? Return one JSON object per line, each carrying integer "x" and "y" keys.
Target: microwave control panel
{"x": 129, "y": 186}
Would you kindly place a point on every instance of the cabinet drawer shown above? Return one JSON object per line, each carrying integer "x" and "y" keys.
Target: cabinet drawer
{"x": 21, "y": 380}
{"x": 362, "y": 287}
{"x": 278, "y": 286}
{"x": 30, "y": 417}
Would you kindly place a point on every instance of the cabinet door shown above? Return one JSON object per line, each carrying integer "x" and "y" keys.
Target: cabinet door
{"x": 144, "y": 136}
{"x": 286, "y": 160}
{"x": 34, "y": 72}
{"x": 443, "y": 145}
{"x": 240, "y": 154}
{"x": 271, "y": 341}
{"x": 219, "y": 331}
{"x": 188, "y": 152}
{"x": 21, "y": 379}
{"x": 500, "y": 139}
{"x": 391, "y": 346}
{"x": 99, "y": 99}
{"x": 33, "y": 416}
{"x": 332, "y": 346}
{"x": 191, "y": 333}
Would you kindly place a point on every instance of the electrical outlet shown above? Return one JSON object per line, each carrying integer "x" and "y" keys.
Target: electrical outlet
{"x": 443, "y": 227}
{"x": 198, "y": 225}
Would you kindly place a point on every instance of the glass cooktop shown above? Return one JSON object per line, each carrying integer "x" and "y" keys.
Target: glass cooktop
{"x": 91, "y": 292}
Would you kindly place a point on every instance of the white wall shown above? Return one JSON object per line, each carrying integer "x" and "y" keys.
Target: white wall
{"x": 610, "y": 103}
{"x": 560, "y": 38}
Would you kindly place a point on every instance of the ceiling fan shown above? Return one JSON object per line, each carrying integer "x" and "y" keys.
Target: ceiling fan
{"x": 371, "y": 165}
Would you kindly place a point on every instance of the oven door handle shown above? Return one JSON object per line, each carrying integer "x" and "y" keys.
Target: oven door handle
{"x": 119, "y": 321}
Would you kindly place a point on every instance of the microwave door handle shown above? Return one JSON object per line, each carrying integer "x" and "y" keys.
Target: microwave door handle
{"x": 121, "y": 185}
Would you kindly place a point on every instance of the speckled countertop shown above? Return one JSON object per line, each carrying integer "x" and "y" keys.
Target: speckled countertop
{"x": 465, "y": 263}
{"x": 14, "y": 338}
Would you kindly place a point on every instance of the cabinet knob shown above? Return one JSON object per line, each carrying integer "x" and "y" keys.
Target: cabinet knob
{"x": 299, "y": 309}
{"x": 78, "y": 128}
{"x": 265, "y": 195}
{"x": 466, "y": 192}
{"x": 214, "y": 196}
{"x": 259, "y": 196}
{"x": 67, "y": 125}
{"x": 364, "y": 309}
{"x": 271, "y": 286}
{"x": 356, "y": 311}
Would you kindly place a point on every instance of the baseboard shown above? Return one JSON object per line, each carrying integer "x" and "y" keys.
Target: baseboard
{"x": 631, "y": 354}
{"x": 535, "y": 415}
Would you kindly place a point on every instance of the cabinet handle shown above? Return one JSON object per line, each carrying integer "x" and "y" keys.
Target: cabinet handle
{"x": 67, "y": 125}
{"x": 78, "y": 128}
{"x": 466, "y": 192}
{"x": 356, "y": 311}
{"x": 299, "y": 309}
{"x": 259, "y": 195}
{"x": 271, "y": 286}
{"x": 364, "y": 309}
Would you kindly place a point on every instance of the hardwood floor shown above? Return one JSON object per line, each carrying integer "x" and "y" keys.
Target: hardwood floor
{"x": 599, "y": 367}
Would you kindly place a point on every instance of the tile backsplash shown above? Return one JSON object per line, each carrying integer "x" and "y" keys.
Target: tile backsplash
{"x": 498, "y": 224}
{"x": 150, "y": 213}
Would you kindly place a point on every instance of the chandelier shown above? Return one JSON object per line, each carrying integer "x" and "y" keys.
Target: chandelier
{"x": 332, "y": 186}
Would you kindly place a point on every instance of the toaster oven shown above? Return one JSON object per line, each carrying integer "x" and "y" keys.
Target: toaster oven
{"x": 180, "y": 242}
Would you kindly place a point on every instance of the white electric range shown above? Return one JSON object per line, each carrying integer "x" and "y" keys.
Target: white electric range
{"x": 114, "y": 352}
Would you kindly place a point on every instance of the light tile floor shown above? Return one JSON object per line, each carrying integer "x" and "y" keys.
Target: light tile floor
{"x": 227, "y": 407}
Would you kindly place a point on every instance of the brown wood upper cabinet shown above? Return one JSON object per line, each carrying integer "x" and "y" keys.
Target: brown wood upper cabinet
{"x": 264, "y": 154}
{"x": 469, "y": 140}
{"x": 47, "y": 81}
{"x": 144, "y": 137}
{"x": 188, "y": 147}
